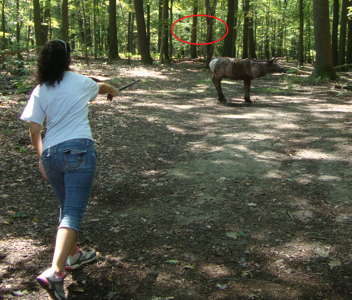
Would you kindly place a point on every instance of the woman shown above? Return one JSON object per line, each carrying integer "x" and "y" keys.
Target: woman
{"x": 67, "y": 156}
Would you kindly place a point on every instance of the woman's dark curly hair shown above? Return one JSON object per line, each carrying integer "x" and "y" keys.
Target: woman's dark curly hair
{"x": 54, "y": 59}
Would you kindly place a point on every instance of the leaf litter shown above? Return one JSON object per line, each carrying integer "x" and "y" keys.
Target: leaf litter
{"x": 162, "y": 210}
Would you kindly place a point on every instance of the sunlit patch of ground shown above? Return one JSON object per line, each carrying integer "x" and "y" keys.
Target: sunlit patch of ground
{"x": 194, "y": 200}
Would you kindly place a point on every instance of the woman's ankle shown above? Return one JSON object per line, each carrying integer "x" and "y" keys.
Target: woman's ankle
{"x": 58, "y": 270}
{"x": 74, "y": 251}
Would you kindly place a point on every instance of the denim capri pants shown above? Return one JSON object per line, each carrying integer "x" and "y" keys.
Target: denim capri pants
{"x": 70, "y": 167}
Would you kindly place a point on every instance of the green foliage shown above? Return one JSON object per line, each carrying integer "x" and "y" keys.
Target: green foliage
{"x": 350, "y": 12}
{"x": 276, "y": 26}
{"x": 15, "y": 73}
{"x": 4, "y": 34}
{"x": 20, "y": 215}
{"x": 307, "y": 80}
{"x": 22, "y": 85}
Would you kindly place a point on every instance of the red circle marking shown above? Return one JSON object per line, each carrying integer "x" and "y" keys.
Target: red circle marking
{"x": 190, "y": 43}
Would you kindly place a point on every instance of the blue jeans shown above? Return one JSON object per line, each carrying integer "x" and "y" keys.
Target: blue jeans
{"x": 70, "y": 167}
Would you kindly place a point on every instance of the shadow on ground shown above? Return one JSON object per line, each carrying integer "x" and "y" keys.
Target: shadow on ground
{"x": 194, "y": 200}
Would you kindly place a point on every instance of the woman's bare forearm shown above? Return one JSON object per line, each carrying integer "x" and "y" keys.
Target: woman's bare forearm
{"x": 36, "y": 137}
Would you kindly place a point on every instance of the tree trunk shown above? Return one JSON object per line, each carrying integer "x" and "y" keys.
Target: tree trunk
{"x": 88, "y": 31}
{"x": 38, "y": 28}
{"x": 64, "y": 20}
{"x": 148, "y": 26}
{"x": 280, "y": 27}
{"x": 309, "y": 36}
{"x": 18, "y": 23}
{"x": 210, "y": 10}
{"x": 245, "y": 45}
{"x": 133, "y": 43}
{"x": 164, "y": 47}
{"x": 29, "y": 32}
{"x": 171, "y": 46}
{"x": 343, "y": 34}
{"x": 349, "y": 40}
{"x": 251, "y": 35}
{"x": 273, "y": 39}
{"x": 3, "y": 26}
{"x": 335, "y": 26}
{"x": 85, "y": 31}
{"x": 47, "y": 20}
{"x": 129, "y": 32}
{"x": 78, "y": 16}
{"x": 142, "y": 35}
{"x": 98, "y": 29}
{"x": 301, "y": 34}
{"x": 95, "y": 29}
{"x": 194, "y": 30}
{"x": 229, "y": 43}
{"x": 112, "y": 32}
{"x": 267, "y": 38}
{"x": 324, "y": 65}
{"x": 160, "y": 24}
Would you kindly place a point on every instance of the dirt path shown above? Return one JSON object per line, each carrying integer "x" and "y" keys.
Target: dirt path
{"x": 194, "y": 200}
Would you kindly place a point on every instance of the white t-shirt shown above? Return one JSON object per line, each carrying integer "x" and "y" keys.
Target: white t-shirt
{"x": 64, "y": 106}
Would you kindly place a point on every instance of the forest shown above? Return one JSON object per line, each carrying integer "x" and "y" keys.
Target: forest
{"x": 193, "y": 199}
{"x": 297, "y": 30}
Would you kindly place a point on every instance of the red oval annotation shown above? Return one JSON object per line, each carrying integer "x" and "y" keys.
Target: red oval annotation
{"x": 208, "y": 43}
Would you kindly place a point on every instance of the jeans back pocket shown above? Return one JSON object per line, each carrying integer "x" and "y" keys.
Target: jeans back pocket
{"x": 74, "y": 159}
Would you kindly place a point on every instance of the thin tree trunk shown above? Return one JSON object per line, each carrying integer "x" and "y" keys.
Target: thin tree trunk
{"x": 267, "y": 38}
{"x": 309, "y": 35}
{"x": 3, "y": 26}
{"x": 262, "y": 33}
{"x": 229, "y": 43}
{"x": 87, "y": 28}
{"x": 324, "y": 65}
{"x": 301, "y": 34}
{"x": 142, "y": 35}
{"x": 47, "y": 20}
{"x": 85, "y": 32}
{"x": 38, "y": 29}
{"x": 245, "y": 45}
{"x": 251, "y": 35}
{"x": 171, "y": 46}
{"x": 78, "y": 16}
{"x": 210, "y": 10}
{"x": 98, "y": 29}
{"x": 18, "y": 23}
{"x": 129, "y": 33}
{"x": 160, "y": 24}
{"x": 64, "y": 20}
{"x": 29, "y": 32}
{"x": 280, "y": 27}
{"x": 133, "y": 44}
{"x": 335, "y": 26}
{"x": 148, "y": 26}
{"x": 274, "y": 39}
{"x": 194, "y": 30}
{"x": 112, "y": 32}
{"x": 95, "y": 31}
{"x": 164, "y": 47}
{"x": 349, "y": 39}
{"x": 343, "y": 34}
